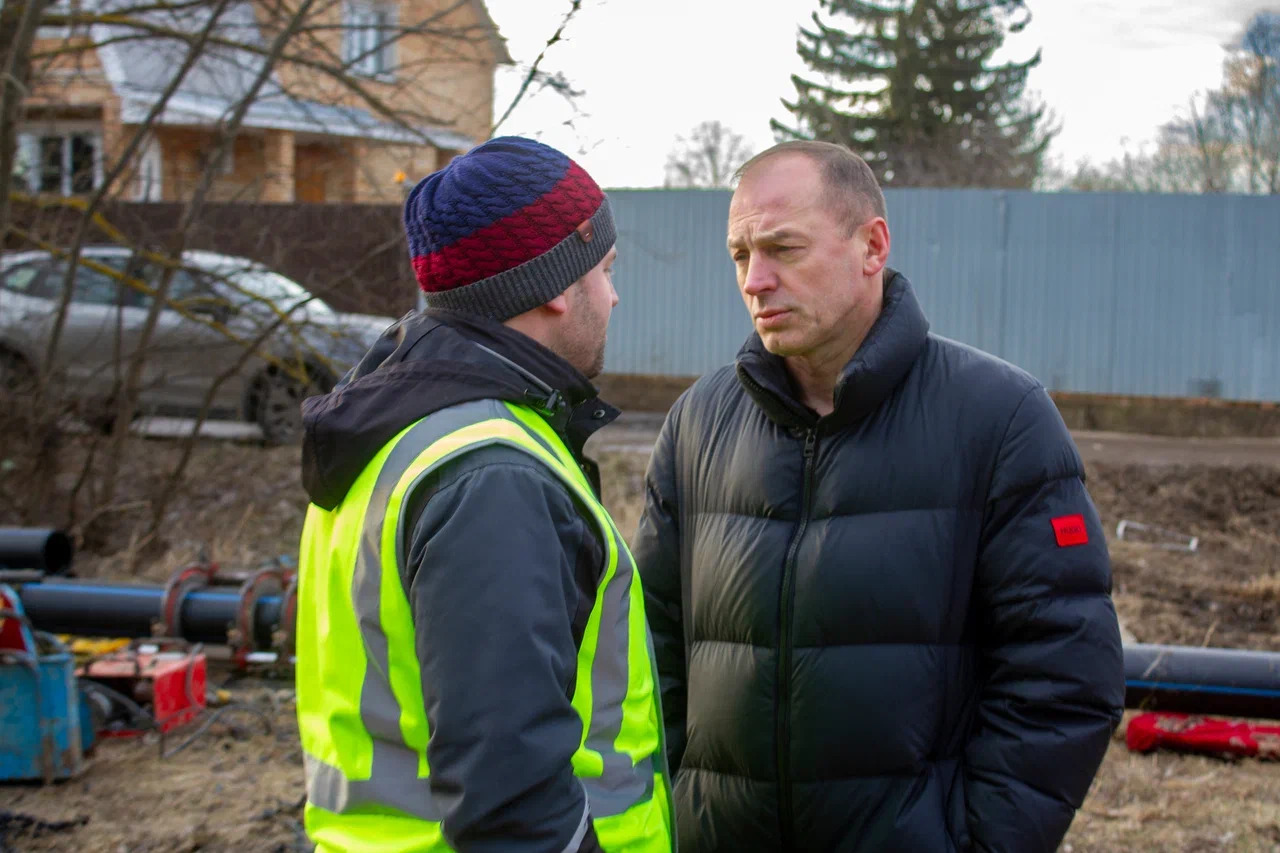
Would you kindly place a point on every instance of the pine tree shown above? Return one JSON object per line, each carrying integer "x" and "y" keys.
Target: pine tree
{"x": 914, "y": 93}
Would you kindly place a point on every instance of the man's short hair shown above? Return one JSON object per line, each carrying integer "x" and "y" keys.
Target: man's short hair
{"x": 850, "y": 189}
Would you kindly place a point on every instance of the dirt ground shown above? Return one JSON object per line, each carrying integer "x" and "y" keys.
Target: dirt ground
{"x": 237, "y": 786}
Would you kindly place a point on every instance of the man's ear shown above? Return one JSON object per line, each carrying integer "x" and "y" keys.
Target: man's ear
{"x": 876, "y": 234}
{"x": 559, "y": 305}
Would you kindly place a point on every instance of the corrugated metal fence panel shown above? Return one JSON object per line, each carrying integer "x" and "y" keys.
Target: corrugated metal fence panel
{"x": 1169, "y": 258}
{"x": 1105, "y": 293}
{"x": 679, "y": 312}
{"x": 951, "y": 255}
{"x": 1249, "y": 288}
{"x": 1058, "y": 288}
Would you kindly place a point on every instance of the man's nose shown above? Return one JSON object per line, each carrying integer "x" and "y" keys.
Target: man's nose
{"x": 759, "y": 278}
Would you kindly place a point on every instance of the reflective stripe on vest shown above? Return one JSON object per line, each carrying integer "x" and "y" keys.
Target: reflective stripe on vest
{"x": 371, "y": 757}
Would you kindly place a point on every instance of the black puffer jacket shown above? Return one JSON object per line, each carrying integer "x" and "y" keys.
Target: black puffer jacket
{"x": 888, "y": 640}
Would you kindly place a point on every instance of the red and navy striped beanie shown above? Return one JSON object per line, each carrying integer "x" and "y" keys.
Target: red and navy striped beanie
{"x": 504, "y": 228}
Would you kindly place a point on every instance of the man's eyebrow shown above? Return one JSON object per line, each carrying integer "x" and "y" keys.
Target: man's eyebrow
{"x": 777, "y": 236}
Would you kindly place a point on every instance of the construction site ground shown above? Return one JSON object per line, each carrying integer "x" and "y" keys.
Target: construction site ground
{"x": 234, "y": 780}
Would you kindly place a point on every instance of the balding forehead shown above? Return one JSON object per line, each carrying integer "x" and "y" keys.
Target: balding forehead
{"x": 793, "y": 184}
{"x": 781, "y": 159}
{"x": 845, "y": 186}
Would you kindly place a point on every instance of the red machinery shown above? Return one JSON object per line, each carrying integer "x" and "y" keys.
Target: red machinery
{"x": 169, "y": 684}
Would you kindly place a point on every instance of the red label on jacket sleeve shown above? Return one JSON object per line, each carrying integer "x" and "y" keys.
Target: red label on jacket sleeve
{"x": 1070, "y": 530}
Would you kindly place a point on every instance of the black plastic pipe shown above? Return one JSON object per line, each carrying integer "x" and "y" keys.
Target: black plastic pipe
{"x": 128, "y": 610}
{"x": 48, "y": 551}
{"x": 1171, "y": 678}
{"x": 1225, "y": 682}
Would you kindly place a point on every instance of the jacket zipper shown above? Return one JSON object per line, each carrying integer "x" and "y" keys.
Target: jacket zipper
{"x": 786, "y": 604}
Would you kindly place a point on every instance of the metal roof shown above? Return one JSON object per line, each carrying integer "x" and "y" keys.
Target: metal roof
{"x": 139, "y": 70}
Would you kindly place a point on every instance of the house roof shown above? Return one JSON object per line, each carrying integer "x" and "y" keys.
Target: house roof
{"x": 139, "y": 70}
{"x": 280, "y": 112}
{"x": 499, "y": 43}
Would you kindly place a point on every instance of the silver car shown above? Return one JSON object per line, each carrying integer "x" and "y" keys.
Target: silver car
{"x": 259, "y": 337}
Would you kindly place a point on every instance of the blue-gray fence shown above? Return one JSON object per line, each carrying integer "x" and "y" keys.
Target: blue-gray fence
{"x": 1092, "y": 292}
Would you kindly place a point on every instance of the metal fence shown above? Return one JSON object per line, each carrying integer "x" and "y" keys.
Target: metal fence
{"x": 1091, "y": 292}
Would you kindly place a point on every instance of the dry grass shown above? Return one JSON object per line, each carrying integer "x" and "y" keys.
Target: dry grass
{"x": 1265, "y": 588}
{"x": 1222, "y": 595}
{"x": 1170, "y": 802}
{"x": 232, "y": 790}
{"x": 236, "y": 788}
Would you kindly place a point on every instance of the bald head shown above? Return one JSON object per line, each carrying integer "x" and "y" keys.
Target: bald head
{"x": 849, "y": 188}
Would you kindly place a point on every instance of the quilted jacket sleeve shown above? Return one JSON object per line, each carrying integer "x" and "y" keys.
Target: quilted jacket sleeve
{"x": 657, "y": 552}
{"x": 493, "y": 587}
{"x": 1051, "y": 653}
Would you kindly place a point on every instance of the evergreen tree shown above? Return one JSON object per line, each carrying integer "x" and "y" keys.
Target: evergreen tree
{"x": 912, "y": 90}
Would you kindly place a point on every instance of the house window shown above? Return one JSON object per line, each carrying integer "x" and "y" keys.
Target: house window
{"x": 368, "y": 45}
{"x": 61, "y": 162}
{"x": 148, "y": 182}
{"x": 226, "y": 166}
{"x": 61, "y": 7}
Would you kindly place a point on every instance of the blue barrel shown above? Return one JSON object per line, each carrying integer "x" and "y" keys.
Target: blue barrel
{"x": 40, "y": 736}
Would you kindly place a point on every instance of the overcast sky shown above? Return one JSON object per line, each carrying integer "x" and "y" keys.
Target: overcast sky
{"x": 1112, "y": 71}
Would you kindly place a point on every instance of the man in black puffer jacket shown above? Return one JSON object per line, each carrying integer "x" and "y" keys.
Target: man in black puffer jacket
{"x": 879, "y": 591}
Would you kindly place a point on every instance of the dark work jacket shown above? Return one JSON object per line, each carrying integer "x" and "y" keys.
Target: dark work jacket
{"x": 498, "y": 690}
{"x": 886, "y": 629}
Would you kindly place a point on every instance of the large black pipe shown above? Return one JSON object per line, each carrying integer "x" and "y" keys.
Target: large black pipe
{"x": 48, "y": 551}
{"x": 1170, "y": 678}
{"x": 127, "y": 610}
{"x": 1226, "y": 682}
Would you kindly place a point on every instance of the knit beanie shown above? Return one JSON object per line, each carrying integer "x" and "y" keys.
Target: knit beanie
{"x": 504, "y": 228}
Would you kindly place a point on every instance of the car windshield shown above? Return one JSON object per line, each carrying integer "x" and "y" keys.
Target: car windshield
{"x": 284, "y": 292}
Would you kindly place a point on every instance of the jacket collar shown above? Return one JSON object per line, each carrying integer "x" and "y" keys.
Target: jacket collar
{"x": 556, "y": 389}
{"x": 429, "y": 361}
{"x": 876, "y": 369}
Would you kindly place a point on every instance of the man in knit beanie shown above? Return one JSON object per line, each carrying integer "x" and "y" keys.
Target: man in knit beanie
{"x": 473, "y": 659}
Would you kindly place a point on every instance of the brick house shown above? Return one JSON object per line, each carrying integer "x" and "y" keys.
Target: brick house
{"x": 308, "y": 136}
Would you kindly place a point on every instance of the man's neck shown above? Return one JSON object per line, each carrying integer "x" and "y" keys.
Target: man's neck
{"x": 817, "y": 373}
{"x": 531, "y": 327}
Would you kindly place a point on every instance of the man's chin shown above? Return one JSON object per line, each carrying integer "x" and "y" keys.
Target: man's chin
{"x": 778, "y": 343}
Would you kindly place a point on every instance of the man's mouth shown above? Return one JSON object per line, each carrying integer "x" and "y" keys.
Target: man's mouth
{"x": 771, "y": 316}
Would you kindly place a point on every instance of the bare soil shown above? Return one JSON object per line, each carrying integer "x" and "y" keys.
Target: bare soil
{"x": 237, "y": 786}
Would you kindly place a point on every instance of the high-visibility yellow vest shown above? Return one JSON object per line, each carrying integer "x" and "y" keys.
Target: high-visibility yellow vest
{"x": 361, "y": 717}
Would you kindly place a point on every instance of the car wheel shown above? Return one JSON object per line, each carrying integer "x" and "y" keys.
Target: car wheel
{"x": 278, "y": 408}
{"x": 100, "y": 415}
{"x": 16, "y": 375}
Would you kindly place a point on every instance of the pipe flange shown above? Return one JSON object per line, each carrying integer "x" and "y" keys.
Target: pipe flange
{"x": 241, "y": 635}
{"x": 285, "y": 634}
{"x": 179, "y": 584}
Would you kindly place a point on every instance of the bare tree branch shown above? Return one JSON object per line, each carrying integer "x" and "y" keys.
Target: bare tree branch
{"x": 317, "y": 70}
{"x": 574, "y": 7}
{"x": 336, "y": 70}
{"x": 226, "y": 131}
{"x": 708, "y": 157}
{"x": 122, "y": 163}
{"x": 17, "y": 64}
